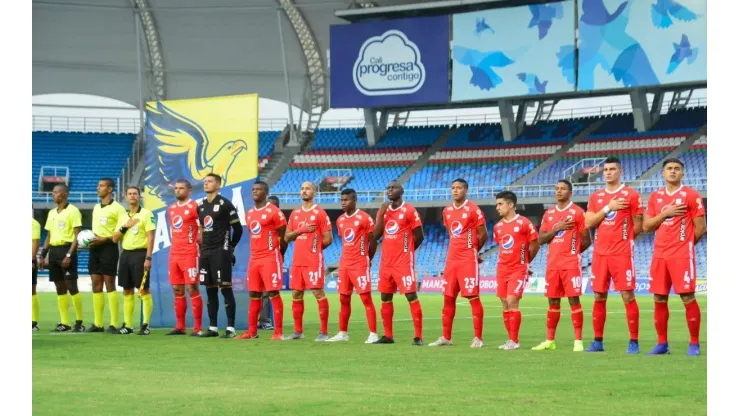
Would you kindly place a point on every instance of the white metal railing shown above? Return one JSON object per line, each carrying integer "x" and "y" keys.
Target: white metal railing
{"x": 589, "y": 163}
{"x": 86, "y": 124}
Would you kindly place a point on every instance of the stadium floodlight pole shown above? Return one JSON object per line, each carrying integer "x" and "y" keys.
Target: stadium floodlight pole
{"x": 285, "y": 75}
{"x": 137, "y": 24}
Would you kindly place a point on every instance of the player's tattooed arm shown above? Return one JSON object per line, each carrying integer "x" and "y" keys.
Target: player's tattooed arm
{"x": 585, "y": 240}
{"x": 418, "y": 236}
{"x": 283, "y": 243}
{"x": 482, "y": 236}
{"x": 700, "y": 228}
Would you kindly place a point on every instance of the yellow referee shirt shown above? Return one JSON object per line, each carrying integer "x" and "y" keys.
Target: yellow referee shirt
{"x": 106, "y": 217}
{"x": 135, "y": 237}
{"x": 35, "y": 230}
{"x": 61, "y": 225}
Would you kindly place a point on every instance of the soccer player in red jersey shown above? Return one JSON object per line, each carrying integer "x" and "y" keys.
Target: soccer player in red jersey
{"x": 265, "y": 272}
{"x": 183, "y": 219}
{"x": 358, "y": 249}
{"x": 517, "y": 243}
{"x": 616, "y": 213}
{"x": 310, "y": 228}
{"x": 467, "y": 227}
{"x": 400, "y": 226}
{"x": 677, "y": 215}
{"x": 564, "y": 229}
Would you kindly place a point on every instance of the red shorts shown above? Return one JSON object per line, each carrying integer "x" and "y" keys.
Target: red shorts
{"x": 401, "y": 278}
{"x": 357, "y": 278}
{"x": 563, "y": 283}
{"x": 463, "y": 278}
{"x": 680, "y": 273}
{"x": 604, "y": 269}
{"x": 511, "y": 284}
{"x": 304, "y": 277}
{"x": 184, "y": 270}
{"x": 266, "y": 274}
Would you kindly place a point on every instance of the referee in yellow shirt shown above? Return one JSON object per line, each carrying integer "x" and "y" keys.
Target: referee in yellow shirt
{"x": 103, "y": 261}
{"x": 63, "y": 224}
{"x": 35, "y": 239}
{"x": 137, "y": 236}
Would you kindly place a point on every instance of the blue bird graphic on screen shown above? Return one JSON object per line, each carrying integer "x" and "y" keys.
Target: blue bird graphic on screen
{"x": 662, "y": 11}
{"x": 533, "y": 83}
{"x": 683, "y": 51}
{"x": 543, "y": 15}
{"x": 566, "y": 62}
{"x": 596, "y": 14}
{"x": 180, "y": 147}
{"x": 481, "y": 26}
{"x": 480, "y": 64}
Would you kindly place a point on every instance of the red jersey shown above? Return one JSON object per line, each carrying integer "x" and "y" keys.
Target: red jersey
{"x": 183, "y": 220}
{"x": 355, "y": 230}
{"x": 513, "y": 238}
{"x": 398, "y": 235}
{"x": 263, "y": 224}
{"x": 615, "y": 235}
{"x": 462, "y": 223}
{"x": 674, "y": 238}
{"x": 564, "y": 251}
{"x": 308, "y": 251}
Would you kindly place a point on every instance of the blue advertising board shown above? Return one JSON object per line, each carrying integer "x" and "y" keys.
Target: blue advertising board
{"x": 518, "y": 51}
{"x": 390, "y": 63}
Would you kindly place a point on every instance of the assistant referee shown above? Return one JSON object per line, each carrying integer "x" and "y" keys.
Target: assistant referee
{"x": 137, "y": 239}
{"x": 63, "y": 224}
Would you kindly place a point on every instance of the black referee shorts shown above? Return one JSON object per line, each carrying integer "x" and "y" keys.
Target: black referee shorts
{"x": 215, "y": 268}
{"x": 131, "y": 269}
{"x": 57, "y": 254}
{"x": 103, "y": 259}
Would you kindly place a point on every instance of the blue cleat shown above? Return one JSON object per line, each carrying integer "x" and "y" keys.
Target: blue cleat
{"x": 633, "y": 348}
{"x": 596, "y": 346}
{"x": 660, "y": 349}
{"x": 693, "y": 350}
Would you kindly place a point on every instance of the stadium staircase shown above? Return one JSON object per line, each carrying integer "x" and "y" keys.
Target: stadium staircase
{"x": 280, "y": 159}
{"x": 680, "y": 149}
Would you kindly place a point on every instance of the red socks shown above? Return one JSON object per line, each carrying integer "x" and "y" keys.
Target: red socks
{"x": 599, "y": 318}
{"x": 416, "y": 316}
{"x": 576, "y": 315}
{"x": 255, "y": 305}
{"x": 298, "y": 315}
{"x": 372, "y": 318}
{"x": 693, "y": 320}
{"x": 515, "y": 321}
{"x": 181, "y": 306}
{"x": 344, "y": 312}
{"x": 661, "y": 321}
{"x": 477, "y": 309}
{"x": 324, "y": 314}
{"x": 448, "y": 315}
{"x": 633, "y": 319}
{"x": 506, "y": 315}
{"x": 277, "y": 313}
{"x": 386, "y": 313}
{"x": 553, "y": 317}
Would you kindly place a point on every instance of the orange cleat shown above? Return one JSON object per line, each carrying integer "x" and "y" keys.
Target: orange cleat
{"x": 248, "y": 335}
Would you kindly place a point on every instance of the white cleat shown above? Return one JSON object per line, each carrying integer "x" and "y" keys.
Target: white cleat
{"x": 511, "y": 345}
{"x": 502, "y": 346}
{"x": 441, "y": 342}
{"x": 371, "y": 338}
{"x": 477, "y": 343}
{"x": 340, "y": 337}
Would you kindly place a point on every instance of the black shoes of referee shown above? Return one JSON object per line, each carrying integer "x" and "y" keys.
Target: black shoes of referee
{"x": 384, "y": 340}
{"x": 94, "y": 328}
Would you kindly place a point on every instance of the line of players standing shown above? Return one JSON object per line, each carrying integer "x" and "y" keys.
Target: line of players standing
{"x": 204, "y": 236}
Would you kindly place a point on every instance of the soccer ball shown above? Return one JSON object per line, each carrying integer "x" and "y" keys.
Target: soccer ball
{"x": 84, "y": 238}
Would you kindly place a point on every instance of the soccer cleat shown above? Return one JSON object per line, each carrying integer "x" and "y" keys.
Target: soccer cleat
{"x": 596, "y": 346}
{"x": 511, "y": 345}
{"x": 176, "y": 331}
{"x": 694, "y": 350}
{"x": 384, "y": 340}
{"x": 578, "y": 346}
{"x": 633, "y": 348}
{"x": 547, "y": 345}
{"x": 660, "y": 349}
{"x": 62, "y": 328}
{"x": 266, "y": 326}
{"x": 111, "y": 330}
{"x": 210, "y": 334}
{"x": 293, "y": 336}
{"x": 340, "y": 337}
{"x": 34, "y": 327}
{"x": 276, "y": 337}
{"x": 441, "y": 342}
{"x": 125, "y": 330}
{"x": 228, "y": 334}
{"x": 248, "y": 335}
{"x": 78, "y": 327}
{"x": 502, "y": 346}
{"x": 417, "y": 342}
{"x": 144, "y": 330}
{"x": 477, "y": 343}
{"x": 371, "y": 338}
{"x": 197, "y": 334}
{"x": 94, "y": 328}
{"x": 322, "y": 337}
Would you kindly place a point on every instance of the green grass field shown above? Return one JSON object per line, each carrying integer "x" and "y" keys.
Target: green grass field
{"x": 81, "y": 374}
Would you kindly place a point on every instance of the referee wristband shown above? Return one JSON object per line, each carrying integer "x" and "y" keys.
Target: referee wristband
{"x": 123, "y": 230}
{"x": 606, "y": 209}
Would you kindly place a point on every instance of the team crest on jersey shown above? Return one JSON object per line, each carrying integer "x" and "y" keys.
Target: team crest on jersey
{"x": 187, "y": 212}
{"x": 507, "y": 242}
{"x": 103, "y": 220}
{"x": 61, "y": 225}
{"x": 465, "y": 216}
{"x": 349, "y": 235}
{"x": 391, "y": 227}
{"x": 208, "y": 222}
{"x": 135, "y": 229}
{"x": 255, "y": 227}
{"x": 177, "y": 222}
{"x": 264, "y": 217}
{"x": 516, "y": 229}
{"x": 216, "y": 207}
{"x": 456, "y": 228}
{"x": 357, "y": 223}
